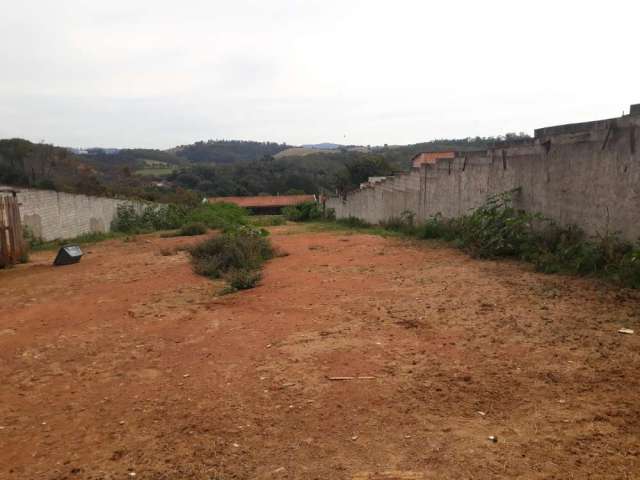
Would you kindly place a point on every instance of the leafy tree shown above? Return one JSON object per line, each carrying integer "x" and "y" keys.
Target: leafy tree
{"x": 359, "y": 171}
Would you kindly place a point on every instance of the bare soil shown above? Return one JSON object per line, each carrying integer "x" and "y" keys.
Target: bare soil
{"x": 127, "y": 365}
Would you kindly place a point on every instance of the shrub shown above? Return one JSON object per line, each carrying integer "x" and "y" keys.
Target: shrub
{"x": 302, "y": 212}
{"x": 243, "y": 249}
{"x": 439, "y": 227}
{"x": 218, "y": 215}
{"x": 330, "y": 214}
{"x": 192, "y": 229}
{"x": 170, "y": 217}
{"x": 405, "y": 223}
{"x": 629, "y": 269}
{"x": 129, "y": 219}
{"x": 496, "y": 229}
{"x": 556, "y": 249}
{"x": 242, "y": 279}
{"x": 568, "y": 250}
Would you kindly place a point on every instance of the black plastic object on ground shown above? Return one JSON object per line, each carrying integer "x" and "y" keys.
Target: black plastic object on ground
{"x": 68, "y": 254}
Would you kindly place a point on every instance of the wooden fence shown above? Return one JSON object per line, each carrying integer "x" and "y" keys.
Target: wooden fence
{"x": 12, "y": 246}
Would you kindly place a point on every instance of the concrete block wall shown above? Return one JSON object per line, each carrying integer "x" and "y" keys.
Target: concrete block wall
{"x": 55, "y": 215}
{"x": 586, "y": 175}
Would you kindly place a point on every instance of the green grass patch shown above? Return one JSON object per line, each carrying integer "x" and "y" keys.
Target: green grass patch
{"x": 85, "y": 239}
{"x": 343, "y": 227}
{"x": 267, "y": 220}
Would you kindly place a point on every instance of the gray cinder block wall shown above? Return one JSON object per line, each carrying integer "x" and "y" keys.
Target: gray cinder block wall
{"x": 585, "y": 174}
{"x": 55, "y": 215}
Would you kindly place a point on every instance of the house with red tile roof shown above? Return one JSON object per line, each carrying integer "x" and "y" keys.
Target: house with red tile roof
{"x": 424, "y": 158}
{"x": 266, "y": 204}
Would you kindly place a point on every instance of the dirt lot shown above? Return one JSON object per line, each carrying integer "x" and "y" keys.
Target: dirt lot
{"x": 127, "y": 365}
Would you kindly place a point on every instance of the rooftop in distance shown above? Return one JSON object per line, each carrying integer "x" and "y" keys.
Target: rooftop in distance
{"x": 265, "y": 203}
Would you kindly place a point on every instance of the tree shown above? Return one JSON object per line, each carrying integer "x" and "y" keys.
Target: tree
{"x": 359, "y": 170}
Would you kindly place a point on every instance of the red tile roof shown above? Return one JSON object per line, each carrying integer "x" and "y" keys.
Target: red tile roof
{"x": 265, "y": 200}
{"x": 423, "y": 158}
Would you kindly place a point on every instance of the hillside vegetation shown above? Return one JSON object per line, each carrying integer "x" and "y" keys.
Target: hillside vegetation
{"x": 300, "y": 152}
{"x": 213, "y": 168}
{"x": 228, "y": 151}
{"x": 34, "y": 165}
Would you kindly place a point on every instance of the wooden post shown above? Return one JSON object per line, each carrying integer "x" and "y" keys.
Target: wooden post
{"x": 11, "y": 237}
{"x": 18, "y": 240}
{"x": 4, "y": 229}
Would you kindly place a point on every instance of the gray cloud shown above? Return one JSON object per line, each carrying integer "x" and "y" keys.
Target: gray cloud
{"x": 160, "y": 73}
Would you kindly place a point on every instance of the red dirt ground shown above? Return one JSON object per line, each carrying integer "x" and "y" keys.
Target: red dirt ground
{"x": 128, "y": 366}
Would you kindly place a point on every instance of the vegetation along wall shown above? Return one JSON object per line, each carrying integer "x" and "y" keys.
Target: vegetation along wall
{"x": 585, "y": 174}
{"x": 54, "y": 215}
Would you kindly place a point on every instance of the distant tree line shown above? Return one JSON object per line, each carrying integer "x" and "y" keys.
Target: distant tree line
{"x": 228, "y": 151}
{"x": 212, "y": 168}
{"x": 36, "y": 165}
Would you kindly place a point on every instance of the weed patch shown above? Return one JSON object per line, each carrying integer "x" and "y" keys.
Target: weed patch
{"x": 242, "y": 279}
{"x": 192, "y": 229}
{"x": 129, "y": 219}
{"x": 233, "y": 256}
{"x": 405, "y": 223}
{"x": 172, "y": 217}
{"x": 303, "y": 212}
{"x": 218, "y": 215}
{"x": 267, "y": 220}
{"x": 497, "y": 229}
{"x": 85, "y": 239}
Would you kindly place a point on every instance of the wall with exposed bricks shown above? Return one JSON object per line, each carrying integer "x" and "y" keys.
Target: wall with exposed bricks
{"x": 584, "y": 174}
{"x": 54, "y": 215}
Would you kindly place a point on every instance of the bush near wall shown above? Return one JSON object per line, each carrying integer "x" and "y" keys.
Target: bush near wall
{"x": 219, "y": 215}
{"x": 405, "y": 223}
{"x": 303, "y": 212}
{"x": 497, "y": 229}
{"x": 171, "y": 217}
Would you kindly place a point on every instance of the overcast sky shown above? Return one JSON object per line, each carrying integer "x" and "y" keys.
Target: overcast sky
{"x": 155, "y": 73}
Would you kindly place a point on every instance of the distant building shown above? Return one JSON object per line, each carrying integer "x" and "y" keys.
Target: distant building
{"x": 425, "y": 158}
{"x": 78, "y": 151}
{"x": 372, "y": 181}
{"x": 265, "y": 204}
